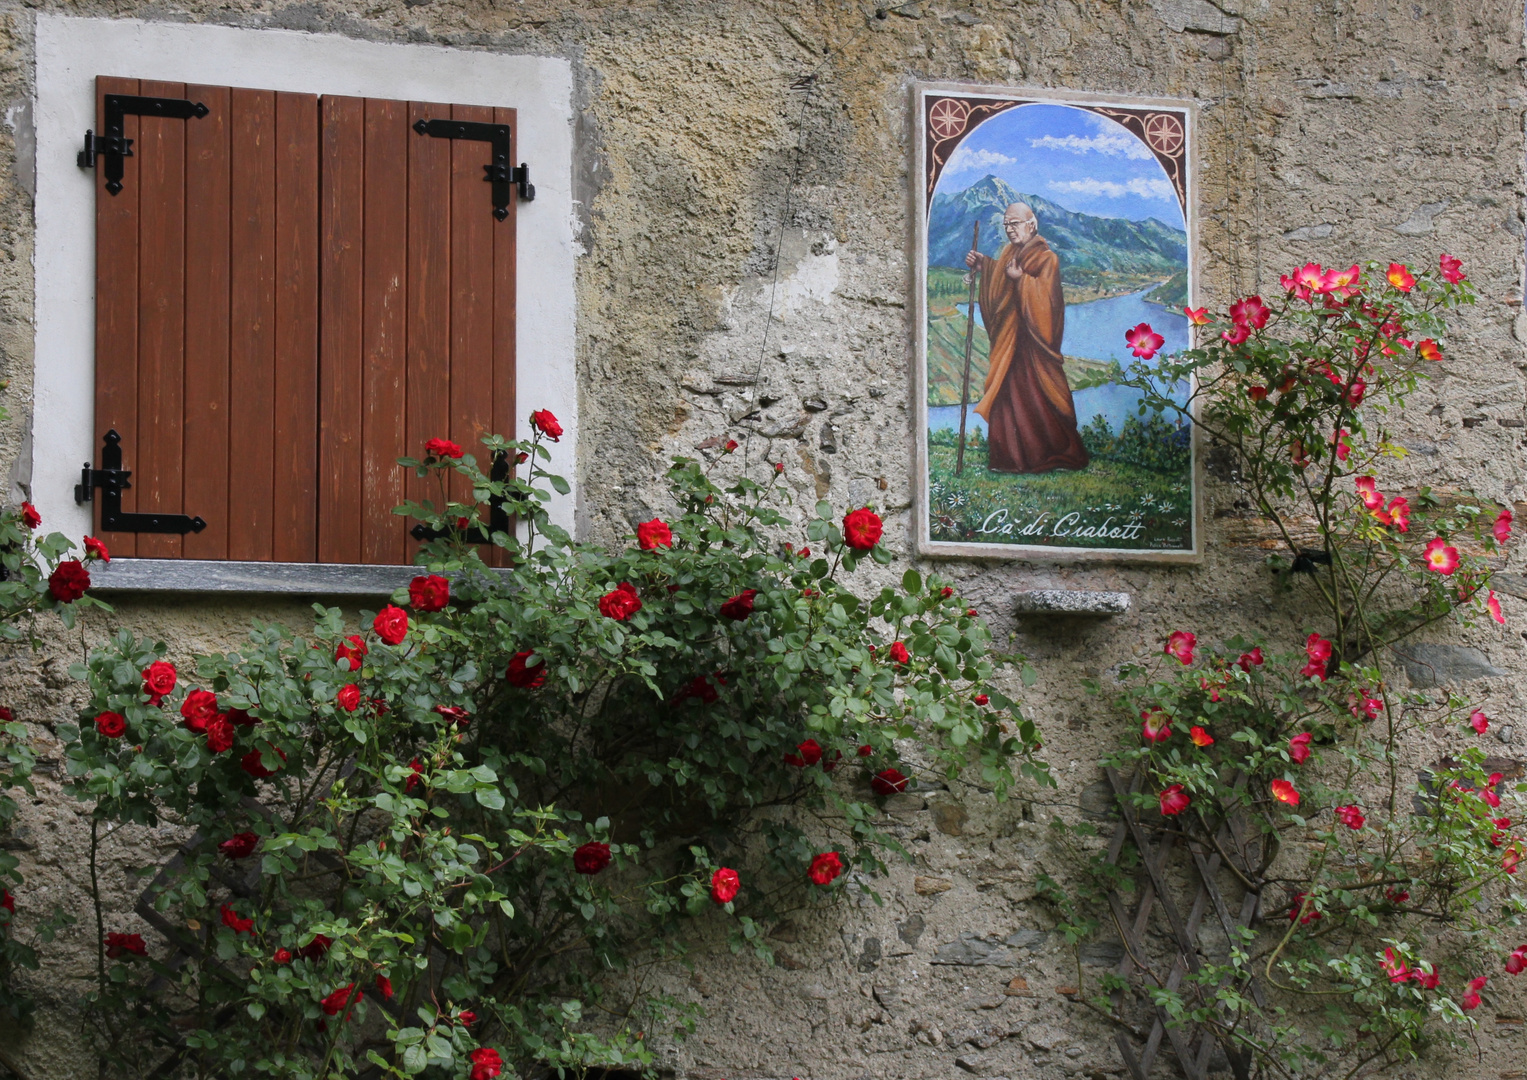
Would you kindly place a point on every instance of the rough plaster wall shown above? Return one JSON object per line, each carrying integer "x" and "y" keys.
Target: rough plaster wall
{"x": 1330, "y": 130}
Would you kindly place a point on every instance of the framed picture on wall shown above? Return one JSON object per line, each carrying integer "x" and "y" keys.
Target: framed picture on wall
{"x": 1048, "y": 226}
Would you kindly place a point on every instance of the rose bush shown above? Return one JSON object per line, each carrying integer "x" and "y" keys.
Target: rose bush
{"x": 453, "y": 840}
{"x": 1288, "y": 760}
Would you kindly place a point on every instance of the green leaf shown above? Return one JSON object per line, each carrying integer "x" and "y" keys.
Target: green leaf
{"x": 912, "y": 582}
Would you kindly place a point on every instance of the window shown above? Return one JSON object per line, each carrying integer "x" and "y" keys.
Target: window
{"x": 297, "y": 287}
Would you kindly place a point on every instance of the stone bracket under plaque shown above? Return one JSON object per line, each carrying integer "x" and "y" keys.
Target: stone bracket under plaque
{"x": 1084, "y": 603}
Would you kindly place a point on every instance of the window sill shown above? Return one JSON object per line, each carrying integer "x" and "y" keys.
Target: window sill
{"x": 212, "y": 576}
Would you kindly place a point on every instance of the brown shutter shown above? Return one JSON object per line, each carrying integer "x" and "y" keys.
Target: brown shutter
{"x": 291, "y": 294}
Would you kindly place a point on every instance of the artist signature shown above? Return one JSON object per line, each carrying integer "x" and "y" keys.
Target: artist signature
{"x": 1072, "y": 525}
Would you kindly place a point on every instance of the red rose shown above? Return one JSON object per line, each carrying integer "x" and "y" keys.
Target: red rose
{"x": 825, "y": 868}
{"x": 118, "y": 945}
{"x": 6, "y": 716}
{"x": 341, "y": 998}
{"x": 30, "y": 515}
{"x": 282, "y": 956}
{"x": 591, "y": 858}
{"x": 467, "y": 1017}
{"x": 888, "y": 782}
{"x": 111, "y": 724}
{"x": 486, "y": 1064}
{"x": 69, "y": 582}
{"x": 158, "y": 680}
{"x": 348, "y": 698}
{"x": 255, "y": 767}
{"x": 239, "y": 845}
{"x": 621, "y": 603}
{"x": 442, "y": 448}
{"x": 981, "y": 699}
{"x": 315, "y": 948}
{"x": 807, "y": 753}
{"x": 220, "y": 735}
{"x": 866, "y": 751}
{"x": 232, "y": 921}
{"x": 946, "y": 592}
{"x": 198, "y": 709}
{"x": 740, "y": 606}
{"x": 654, "y": 534}
{"x": 242, "y": 718}
{"x": 430, "y": 593}
{"x": 7, "y": 901}
{"x": 898, "y": 653}
{"x": 724, "y": 884}
{"x": 731, "y": 444}
{"x": 862, "y": 529}
{"x": 384, "y": 986}
{"x": 391, "y": 625}
{"x": 94, "y": 547}
{"x": 526, "y": 678}
{"x": 454, "y": 714}
{"x": 546, "y": 424}
{"x": 417, "y": 770}
{"x": 352, "y": 649}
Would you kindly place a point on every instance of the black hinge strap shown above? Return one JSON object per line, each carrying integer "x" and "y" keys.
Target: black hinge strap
{"x": 113, "y": 146}
{"x": 499, "y": 173}
{"x": 111, "y": 478}
{"x": 498, "y": 516}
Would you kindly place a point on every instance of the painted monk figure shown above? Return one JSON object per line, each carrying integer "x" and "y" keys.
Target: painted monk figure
{"x": 1030, "y": 417}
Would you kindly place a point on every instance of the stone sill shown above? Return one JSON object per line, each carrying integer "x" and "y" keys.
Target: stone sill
{"x": 1086, "y": 603}
{"x": 215, "y": 576}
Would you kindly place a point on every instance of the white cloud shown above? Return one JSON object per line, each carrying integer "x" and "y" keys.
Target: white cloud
{"x": 1139, "y": 185}
{"x": 970, "y": 160}
{"x": 1113, "y": 143}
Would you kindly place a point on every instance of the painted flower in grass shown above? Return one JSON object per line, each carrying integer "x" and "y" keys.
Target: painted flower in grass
{"x": 111, "y": 725}
{"x": 1427, "y": 349}
{"x": 1180, "y": 645}
{"x": 1196, "y": 315}
{"x": 120, "y": 945}
{"x": 825, "y": 868}
{"x": 1492, "y": 605}
{"x": 442, "y": 448}
{"x": 1516, "y": 963}
{"x": 1250, "y": 312}
{"x": 544, "y": 422}
{"x": 1248, "y": 660}
{"x": 486, "y": 1063}
{"x": 620, "y": 603}
{"x": 1200, "y": 737}
{"x": 1470, "y": 998}
{"x": 429, "y": 592}
{"x": 724, "y": 884}
{"x": 806, "y": 753}
{"x": 1318, "y": 650}
{"x": 592, "y": 857}
{"x": 1440, "y": 556}
{"x": 1502, "y": 527}
{"x": 523, "y": 674}
{"x": 1174, "y": 800}
{"x": 233, "y": 921}
{"x": 391, "y": 624}
{"x": 1479, "y": 722}
{"x": 654, "y": 534}
{"x": 239, "y": 845}
{"x": 888, "y": 782}
{"x": 740, "y": 606}
{"x": 1143, "y": 341}
{"x": 862, "y": 529}
{"x": 1400, "y": 277}
{"x": 1154, "y": 726}
{"x": 352, "y": 651}
{"x": 1350, "y": 816}
{"x": 1299, "y": 747}
{"x": 1285, "y": 792}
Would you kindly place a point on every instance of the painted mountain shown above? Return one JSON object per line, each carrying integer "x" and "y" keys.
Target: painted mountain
{"x": 1095, "y": 252}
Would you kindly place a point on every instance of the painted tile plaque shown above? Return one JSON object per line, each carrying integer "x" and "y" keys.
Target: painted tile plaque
{"x": 1047, "y": 227}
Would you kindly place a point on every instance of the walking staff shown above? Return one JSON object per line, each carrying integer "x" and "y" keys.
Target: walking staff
{"x": 970, "y": 334}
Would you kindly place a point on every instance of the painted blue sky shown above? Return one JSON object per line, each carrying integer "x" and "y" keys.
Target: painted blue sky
{"x": 1075, "y": 158}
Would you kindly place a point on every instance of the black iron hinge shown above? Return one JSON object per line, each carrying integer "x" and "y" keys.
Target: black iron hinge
{"x": 499, "y": 173}
{"x": 113, "y": 146}
{"x": 111, "y": 478}
{"x": 498, "y": 516}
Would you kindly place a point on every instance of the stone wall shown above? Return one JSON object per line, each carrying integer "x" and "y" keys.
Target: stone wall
{"x": 741, "y": 158}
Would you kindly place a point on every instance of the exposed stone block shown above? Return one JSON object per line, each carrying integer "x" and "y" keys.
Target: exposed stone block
{"x": 1430, "y": 664}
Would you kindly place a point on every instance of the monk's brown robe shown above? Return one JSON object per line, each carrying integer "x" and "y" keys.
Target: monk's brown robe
{"x": 1030, "y": 417}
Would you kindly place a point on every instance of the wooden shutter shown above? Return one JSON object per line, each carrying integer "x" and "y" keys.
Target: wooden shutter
{"x": 293, "y": 292}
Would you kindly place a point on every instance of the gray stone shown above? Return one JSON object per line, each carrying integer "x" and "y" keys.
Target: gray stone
{"x": 869, "y": 959}
{"x": 1101, "y": 953}
{"x": 1430, "y": 664}
{"x": 1196, "y": 15}
{"x": 1043, "y": 1037}
{"x": 1087, "y": 602}
{"x": 972, "y": 950}
{"x": 213, "y": 576}
{"x": 1504, "y": 733}
{"x": 911, "y": 931}
{"x": 1027, "y": 939}
{"x": 1510, "y": 584}
{"x": 1098, "y": 802}
{"x": 1420, "y": 221}
{"x": 1310, "y": 232}
{"x": 971, "y": 1063}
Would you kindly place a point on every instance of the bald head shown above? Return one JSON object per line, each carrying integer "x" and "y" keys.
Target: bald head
{"x": 1019, "y": 223}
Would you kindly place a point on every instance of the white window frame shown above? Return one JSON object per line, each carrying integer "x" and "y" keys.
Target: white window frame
{"x": 71, "y": 52}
